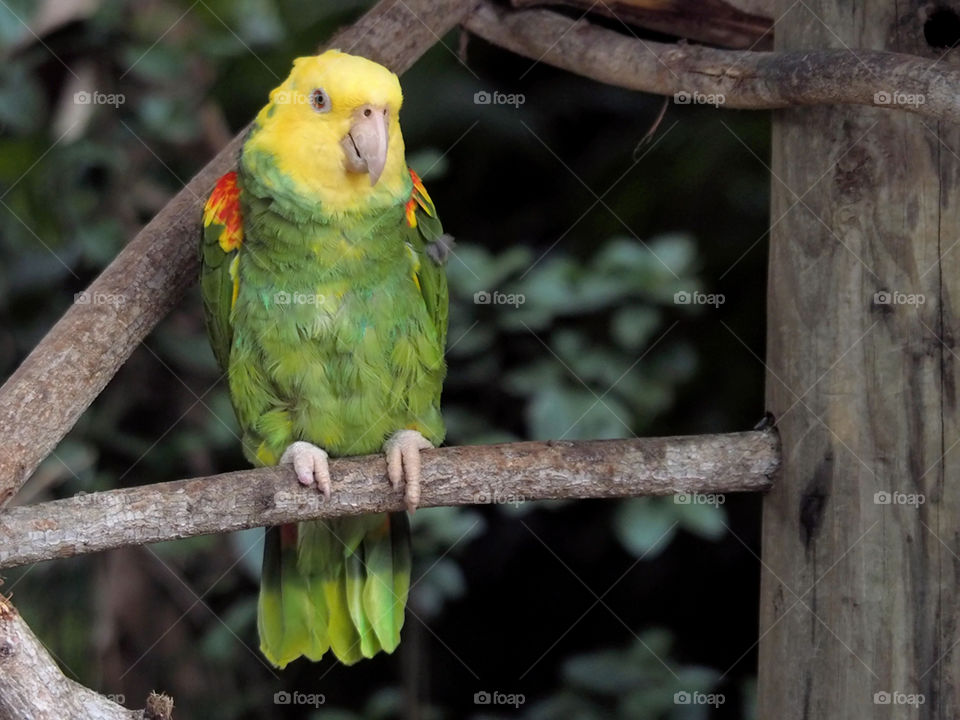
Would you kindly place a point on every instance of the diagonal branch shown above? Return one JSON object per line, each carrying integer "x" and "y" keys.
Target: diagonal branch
{"x": 750, "y": 80}
{"x": 42, "y": 400}
{"x": 514, "y": 472}
{"x": 33, "y": 688}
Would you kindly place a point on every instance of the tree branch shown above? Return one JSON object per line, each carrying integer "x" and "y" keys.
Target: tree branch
{"x": 42, "y": 400}
{"x": 33, "y": 688}
{"x": 750, "y": 80}
{"x": 515, "y": 472}
{"x": 715, "y": 22}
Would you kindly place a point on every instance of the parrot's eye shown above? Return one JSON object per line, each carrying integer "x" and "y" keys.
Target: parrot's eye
{"x": 320, "y": 100}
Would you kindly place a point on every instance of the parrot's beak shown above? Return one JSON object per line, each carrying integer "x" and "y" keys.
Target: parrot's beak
{"x": 365, "y": 144}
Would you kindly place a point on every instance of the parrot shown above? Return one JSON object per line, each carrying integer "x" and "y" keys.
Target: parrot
{"x": 325, "y": 295}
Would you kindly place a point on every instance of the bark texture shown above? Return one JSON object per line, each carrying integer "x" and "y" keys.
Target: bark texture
{"x": 715, "y": 22}
{"x": 859, "y": 613}
{"x": 749, "y": 80}
{"x": 514, "y": 472}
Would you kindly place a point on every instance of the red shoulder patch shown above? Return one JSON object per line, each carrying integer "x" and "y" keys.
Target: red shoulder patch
{"x": 223, "y": 208}
{"x": 418, "y": 196}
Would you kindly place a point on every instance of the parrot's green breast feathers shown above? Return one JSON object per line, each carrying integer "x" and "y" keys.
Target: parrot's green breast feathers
{"x": 326, "y": 304}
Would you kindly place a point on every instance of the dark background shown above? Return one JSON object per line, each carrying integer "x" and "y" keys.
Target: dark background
{"x": 507, "y": 595}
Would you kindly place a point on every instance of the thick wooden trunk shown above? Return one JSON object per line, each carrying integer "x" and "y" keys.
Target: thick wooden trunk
{"x": 860, "y": 597}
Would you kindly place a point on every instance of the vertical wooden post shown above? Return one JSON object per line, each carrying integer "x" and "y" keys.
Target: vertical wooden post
{"x": 859, "y": 597}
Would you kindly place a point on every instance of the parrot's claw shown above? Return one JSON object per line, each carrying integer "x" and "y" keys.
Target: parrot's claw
{"x": 403, "y": 463}
{"x": 310, "y": 464}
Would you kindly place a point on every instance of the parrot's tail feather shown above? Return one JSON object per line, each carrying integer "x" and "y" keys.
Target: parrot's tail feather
{"x": 291, "y": 619}
{"x": 336, "y": 584}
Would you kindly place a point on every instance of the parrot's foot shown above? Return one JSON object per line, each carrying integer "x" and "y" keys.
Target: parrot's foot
{"x": 310, "y": 464}
{"x": 403, "y": 463}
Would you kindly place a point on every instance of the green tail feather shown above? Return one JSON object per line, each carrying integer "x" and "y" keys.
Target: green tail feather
{"x": 336, "y": 585}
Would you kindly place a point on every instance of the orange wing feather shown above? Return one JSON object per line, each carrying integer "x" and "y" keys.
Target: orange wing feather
{"x": 418, "y": 196}
{"x": 223, "y": 208}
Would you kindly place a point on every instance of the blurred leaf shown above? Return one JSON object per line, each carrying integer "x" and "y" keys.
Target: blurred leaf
{"x": 429, "y": 164}
{"x": 603, "y": 672}
{"x": 21, "y": 101}
{"x": 441, "y": 581}
{"x": 221, "y": 641}
{"x": 445, "y": 526}
{"x": 574, "y": 414}
{"x": 707, "y": 521}
{"x": 248, "y": 546}
{"x": 633, "y": 325}
{"x": 645, "y": 526}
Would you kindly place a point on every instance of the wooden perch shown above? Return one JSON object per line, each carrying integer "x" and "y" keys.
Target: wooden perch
{"x": 33, "y": 688}
{"x": 515, "y": 472}
{"x": 715, "y": 22}
{"x": 749, "y": 80}
{"x": 42, "y": 400}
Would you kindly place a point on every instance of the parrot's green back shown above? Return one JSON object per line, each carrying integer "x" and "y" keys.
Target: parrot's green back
{"x": 331, "y": 329}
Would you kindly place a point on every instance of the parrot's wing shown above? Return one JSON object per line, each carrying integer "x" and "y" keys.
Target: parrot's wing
{"x": 432, "y": 247}
{"x": 219, "y": 248}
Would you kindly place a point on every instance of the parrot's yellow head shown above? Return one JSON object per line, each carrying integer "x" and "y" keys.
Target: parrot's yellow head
{"x": 331, "y": 134}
